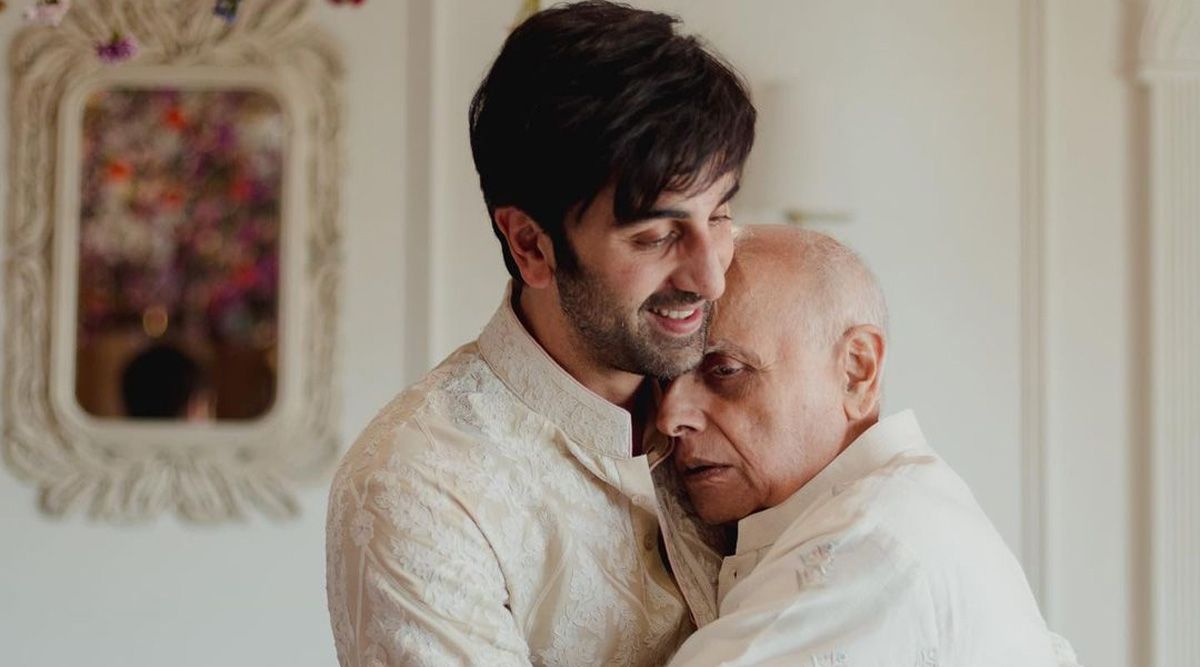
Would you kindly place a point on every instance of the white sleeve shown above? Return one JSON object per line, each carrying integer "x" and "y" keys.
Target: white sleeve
{"x": 850, "y": 599}
{"x": 411, "y": 579}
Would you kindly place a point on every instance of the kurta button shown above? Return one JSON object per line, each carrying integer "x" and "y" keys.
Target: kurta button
{"x": 650, "y": 541}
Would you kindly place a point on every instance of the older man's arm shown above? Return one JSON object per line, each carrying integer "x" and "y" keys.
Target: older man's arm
{"x": 854, "y": 598}
{"x": 411, "y": 579}
{"x": 841, "y": 601}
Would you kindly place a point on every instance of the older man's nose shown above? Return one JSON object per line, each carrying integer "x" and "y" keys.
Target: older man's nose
{"x": 679, "y": 412}
{"x": 703, "y": 268}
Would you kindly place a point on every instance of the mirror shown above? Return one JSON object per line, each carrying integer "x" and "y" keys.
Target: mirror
{"x": 178, "y": 299}
{"x": 173, "y": 260}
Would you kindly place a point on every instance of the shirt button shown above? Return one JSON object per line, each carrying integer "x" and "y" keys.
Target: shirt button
{"x": 640, "y": 500}
{"x": 650, "y": 541}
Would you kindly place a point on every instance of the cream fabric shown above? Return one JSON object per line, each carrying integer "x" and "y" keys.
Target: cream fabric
{"x": 883, "y": 558}
{"x": 493, "y": 515}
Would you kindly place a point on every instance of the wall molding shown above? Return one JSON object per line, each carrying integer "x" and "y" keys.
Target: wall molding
{"x": 1033, "y": 319}
{"x": 1169, "y": 65}
{"x": 1170, "y": 39}
{"x": 419, "y": 85}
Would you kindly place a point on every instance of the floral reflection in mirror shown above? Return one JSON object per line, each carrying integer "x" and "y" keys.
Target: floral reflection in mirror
{"x": 178, "y": 301}
{"x": 173, "y": 260}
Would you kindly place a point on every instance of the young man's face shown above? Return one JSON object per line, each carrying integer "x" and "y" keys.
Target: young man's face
{"x": 642, "y": 293}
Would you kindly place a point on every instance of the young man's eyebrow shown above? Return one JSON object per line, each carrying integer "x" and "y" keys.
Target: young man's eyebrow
{"x": 678, "y": 213}
{"x": 663, "y": 213}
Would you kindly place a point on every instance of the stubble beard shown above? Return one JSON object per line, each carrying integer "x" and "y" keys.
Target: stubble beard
{"x": 615, "y": 338}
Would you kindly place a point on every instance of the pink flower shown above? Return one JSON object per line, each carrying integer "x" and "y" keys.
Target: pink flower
{"x": 47, "y": 12}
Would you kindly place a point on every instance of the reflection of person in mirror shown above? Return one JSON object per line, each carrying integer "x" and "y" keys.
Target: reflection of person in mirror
{"x": 163, "y": 382}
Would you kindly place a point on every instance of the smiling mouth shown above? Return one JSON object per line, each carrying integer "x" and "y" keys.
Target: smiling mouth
{"x": 675, "y": 313}
{"x": 679, "y": 320}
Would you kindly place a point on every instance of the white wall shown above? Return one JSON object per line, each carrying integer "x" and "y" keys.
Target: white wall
{"x": 934, "y": 79}
{"x": 1093, "y": 317}
{"x": 72, "y": 592}
{"x": 469, "y": 276}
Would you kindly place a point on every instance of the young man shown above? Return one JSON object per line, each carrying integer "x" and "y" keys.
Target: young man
{"x": 856, "y": 544}
{"x": 503, "y": 511}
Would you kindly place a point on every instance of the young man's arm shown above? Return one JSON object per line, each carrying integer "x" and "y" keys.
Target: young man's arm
{"x": 410, "y": 578}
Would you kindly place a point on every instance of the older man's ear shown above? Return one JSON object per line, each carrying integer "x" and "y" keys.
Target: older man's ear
{"x": 861, "y": 353}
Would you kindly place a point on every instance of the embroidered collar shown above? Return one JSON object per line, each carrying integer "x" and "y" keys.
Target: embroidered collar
{"x": 529, "y": 371}
{"x": 875, "y": 447}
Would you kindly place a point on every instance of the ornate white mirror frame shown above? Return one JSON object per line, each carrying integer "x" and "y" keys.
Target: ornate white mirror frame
{"x": 137, "y": 469}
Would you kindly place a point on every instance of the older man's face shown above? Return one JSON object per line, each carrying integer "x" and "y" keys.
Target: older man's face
{"x": 744, "y": 418}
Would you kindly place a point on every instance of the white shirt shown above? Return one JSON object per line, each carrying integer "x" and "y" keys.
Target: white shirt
{"x": 494, "y": 515}
{"x": 883, "y": 558}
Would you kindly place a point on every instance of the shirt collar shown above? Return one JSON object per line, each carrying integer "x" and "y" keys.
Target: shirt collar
{"x": 529, "y": 371}
{"x": 877, "y": 445}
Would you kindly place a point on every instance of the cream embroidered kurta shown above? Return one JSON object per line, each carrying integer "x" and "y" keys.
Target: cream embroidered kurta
{"x": 493, "y": 515}
{"x": 883, "y": 559}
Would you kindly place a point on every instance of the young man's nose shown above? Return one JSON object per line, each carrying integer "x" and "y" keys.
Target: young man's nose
{"x": 703, "y": 268}
{"x": 680, "y": 412}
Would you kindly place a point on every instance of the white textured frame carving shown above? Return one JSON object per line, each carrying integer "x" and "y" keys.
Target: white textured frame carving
{"x": 128, "y": 470}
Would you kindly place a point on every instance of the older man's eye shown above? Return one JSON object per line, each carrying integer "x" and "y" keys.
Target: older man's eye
{"x": 722, "y": 370}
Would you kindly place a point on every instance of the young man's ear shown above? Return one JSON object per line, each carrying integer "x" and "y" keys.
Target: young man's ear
{"x": 862, "y": 354}
{"x": 530, "y": 247}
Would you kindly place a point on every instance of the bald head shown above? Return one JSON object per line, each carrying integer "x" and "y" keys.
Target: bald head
{"x": 790, "y": 377}
{"x": 809, "y": 281}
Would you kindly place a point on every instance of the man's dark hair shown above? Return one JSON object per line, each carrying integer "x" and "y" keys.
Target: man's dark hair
{"x": 159, "y": 382}
{"x": 596, "y": 93}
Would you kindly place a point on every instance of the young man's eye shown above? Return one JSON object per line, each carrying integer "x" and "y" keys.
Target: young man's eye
{"x": 656, "y": 241}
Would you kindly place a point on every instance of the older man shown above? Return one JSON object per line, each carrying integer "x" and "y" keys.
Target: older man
{"x": 856, "y": 544}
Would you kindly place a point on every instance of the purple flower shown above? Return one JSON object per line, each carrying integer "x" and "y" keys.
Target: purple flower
{"x": 226, "y": 137}
{"x": 267, "y": 274}
{"x": 226, "y": 9}
{"x": 118, "y": 49}
{"x": 47, "y": 12}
